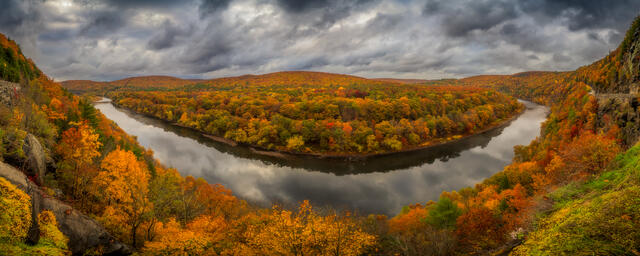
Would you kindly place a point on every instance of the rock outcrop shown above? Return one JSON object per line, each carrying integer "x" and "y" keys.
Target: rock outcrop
{"x": 625, "y": 113}
{"x": 83, "y": 232}
{"x": 36, "y": 160}
{"x": 8, "y": 92}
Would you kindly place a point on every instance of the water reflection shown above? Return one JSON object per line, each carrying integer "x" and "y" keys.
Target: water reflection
{"x": 376, "y": 185}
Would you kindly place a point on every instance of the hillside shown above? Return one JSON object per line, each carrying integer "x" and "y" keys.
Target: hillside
{"x": 598, "y": 216}
{"x": 14, "y": 66}
{"x": 594, "y": 212}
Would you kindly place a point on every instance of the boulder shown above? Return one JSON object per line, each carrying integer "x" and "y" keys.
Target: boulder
{"x": 36, "y": 164}
{"x": 83, "y": 232}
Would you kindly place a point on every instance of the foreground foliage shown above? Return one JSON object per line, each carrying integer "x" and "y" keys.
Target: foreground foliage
{"x": 15, "y": 220}
{"x": 597, "y": 217}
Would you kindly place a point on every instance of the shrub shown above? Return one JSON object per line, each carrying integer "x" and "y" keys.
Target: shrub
{"x": 50, "y": 235}
{"x": 15, "y": 212}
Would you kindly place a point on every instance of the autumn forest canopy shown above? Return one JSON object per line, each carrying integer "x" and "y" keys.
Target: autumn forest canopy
{"x": 331, "y": 117}
{"x": 73, "y": 182}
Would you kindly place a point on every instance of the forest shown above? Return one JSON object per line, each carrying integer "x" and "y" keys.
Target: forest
{"x": 573, "y": 191}
{"x": 329, "y": 119}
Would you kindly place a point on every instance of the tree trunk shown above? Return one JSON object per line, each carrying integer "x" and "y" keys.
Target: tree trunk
{"x": 133, "y": 236}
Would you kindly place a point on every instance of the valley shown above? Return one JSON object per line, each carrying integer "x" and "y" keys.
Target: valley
{"x": 316, "y": 163}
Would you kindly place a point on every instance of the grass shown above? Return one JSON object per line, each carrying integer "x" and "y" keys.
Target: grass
{"x": 600, "y": 216}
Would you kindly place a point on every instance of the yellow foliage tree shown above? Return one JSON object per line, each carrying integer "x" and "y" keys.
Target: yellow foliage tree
{"x": 123, "y": 182}
{"x": 307, "y": 233}
{"x": 295, "y": 142}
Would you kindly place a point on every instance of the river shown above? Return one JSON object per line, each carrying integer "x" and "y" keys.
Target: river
{"x": 377, "y": 185}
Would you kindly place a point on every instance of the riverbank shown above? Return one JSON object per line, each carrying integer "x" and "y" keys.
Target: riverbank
{"x": 283, "y": 154}
{"x": 359, "y": 157}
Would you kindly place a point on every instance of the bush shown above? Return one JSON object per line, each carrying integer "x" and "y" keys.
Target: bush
{"x": 50, "y": 235}
{"x": 589, "y": 154}
{"x": 15, "y": 212}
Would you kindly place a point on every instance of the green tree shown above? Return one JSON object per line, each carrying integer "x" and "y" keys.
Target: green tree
{"x": 443, "y": 214}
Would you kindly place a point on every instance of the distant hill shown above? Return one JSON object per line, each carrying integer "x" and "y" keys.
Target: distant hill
{"x": 137, "y": 82}
{"x": 402, "y": 81}
{"x": 296, "y": 78}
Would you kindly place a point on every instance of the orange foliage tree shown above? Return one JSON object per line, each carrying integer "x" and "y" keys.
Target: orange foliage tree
{"x": 199, "y": 237}
{"x": 78, "y": 147}
{"x": 589, "y": 153}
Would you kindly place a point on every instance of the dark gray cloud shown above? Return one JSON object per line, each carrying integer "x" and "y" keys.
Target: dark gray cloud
{"x": 55, "y": 35}
{"x": 14, "y": 15}
{"x": 111, "y": 39}
{"x": 103, "y": 22}
{"x": 300, "y": 6}
{"x": 461, "y": 18}
{"x": 586, "y": 14}
{"x": 21, "y": 20}
{"x": 169, "y": 36}
{"x": 321, "y": 14}
{"x": 213, "y": 6}
{"x": 135, "y": 3}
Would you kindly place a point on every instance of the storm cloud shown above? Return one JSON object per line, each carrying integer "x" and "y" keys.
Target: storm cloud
{"x": 112, "y": 39}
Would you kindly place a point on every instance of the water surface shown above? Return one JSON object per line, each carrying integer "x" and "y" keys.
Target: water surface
{"x": 376, "y": 185}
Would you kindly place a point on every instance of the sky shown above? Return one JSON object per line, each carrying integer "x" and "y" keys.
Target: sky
{"x": 428, "y": 39}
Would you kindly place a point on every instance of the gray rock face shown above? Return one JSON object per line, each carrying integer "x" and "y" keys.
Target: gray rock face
{"x": 35, "y": 158}
{"x": 8, "y": 92}
{"x": 624, "y": 112}
{"x": 83, "y": 232}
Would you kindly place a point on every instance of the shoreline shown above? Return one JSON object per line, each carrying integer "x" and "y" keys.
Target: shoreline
{"x": 282, "y": 154}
